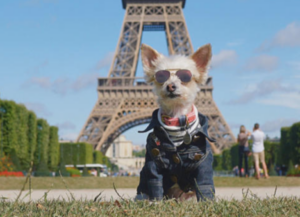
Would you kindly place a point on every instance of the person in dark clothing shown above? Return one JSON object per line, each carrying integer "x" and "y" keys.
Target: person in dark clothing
{"x": 244, "y": 150}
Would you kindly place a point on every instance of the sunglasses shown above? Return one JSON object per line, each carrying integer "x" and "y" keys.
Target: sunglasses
{"x": 163, "y": 75}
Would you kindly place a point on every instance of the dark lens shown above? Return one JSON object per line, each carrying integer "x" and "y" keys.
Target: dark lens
{"x": 162, "y": 76}
{"x": 184, "y": 75}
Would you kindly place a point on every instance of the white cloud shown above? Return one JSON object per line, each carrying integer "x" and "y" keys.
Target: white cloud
{"x": 43, "y": 82}
{"x": 263, "y": 88}
{"x": 224, "y": 58}
{"x": 67, "y": 125}
{"x": 38, "y": 108}
{"x": 64, "y": 85}
{"x": 84, "y": 81}
{"x": 287, "y": 37}
{"x": 275, "y": 125}
{"x": 290, "y": 100}
{"x": 59, "y": 85}
{"x": 262, "y": 63}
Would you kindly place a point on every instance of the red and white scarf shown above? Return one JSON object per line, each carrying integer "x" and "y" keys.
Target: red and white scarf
{"x": 173, "y": 128}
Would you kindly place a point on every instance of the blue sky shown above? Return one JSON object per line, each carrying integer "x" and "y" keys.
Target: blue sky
{"x": 52, "y": 51}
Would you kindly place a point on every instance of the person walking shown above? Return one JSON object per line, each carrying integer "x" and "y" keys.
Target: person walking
{"x": 258, "y": 150}
{"x": 243, "y": 150}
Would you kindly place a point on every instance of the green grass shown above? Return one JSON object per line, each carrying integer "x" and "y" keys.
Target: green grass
{"x": 251, "y": 206}
{"x": 132, "y": 182}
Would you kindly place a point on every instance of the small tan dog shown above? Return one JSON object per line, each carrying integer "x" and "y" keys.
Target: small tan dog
{"x": 175, "y": 154}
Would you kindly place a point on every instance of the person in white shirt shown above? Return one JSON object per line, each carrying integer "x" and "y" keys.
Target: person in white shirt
{"x": 258, "y": 150}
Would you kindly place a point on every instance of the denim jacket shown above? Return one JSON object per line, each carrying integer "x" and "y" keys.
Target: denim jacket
{"x": 190, "y": 166}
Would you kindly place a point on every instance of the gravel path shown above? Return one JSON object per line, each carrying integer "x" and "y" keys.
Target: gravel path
{"x": 107, "y": 194}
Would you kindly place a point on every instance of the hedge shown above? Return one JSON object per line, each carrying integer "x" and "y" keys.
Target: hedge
{"x": 42, "y": 141}
{"x": 217, "y": 164}
{"x": 285, "y": 146}
{"x": 230, "y": 157}
{"x": 76, "y": 153}
{"x": 53, "y": 159}
{"x": 21, "y": 147}
{"x": 295, "y": 142}
{"x": 23, "y": 133}
{"x": 98, "y": 157}
{"x": 290, "y": 144}
{"x": 31, "y": 134}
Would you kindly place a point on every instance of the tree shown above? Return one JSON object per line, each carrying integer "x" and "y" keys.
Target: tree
{"x": 42, "y": 141}
{"x": 226, "y": 160}
{"x": 291, "y": 168}
{"x": 42, "y": 168}
{"x": 53, "y": 158}
{"x": 295, "y": 142}
{"x": 62, "y": 169}
{"x": 21, "y": 146}
{"x": 9, "y": 125}
{"x": 285, "y": 148}
{"x": 31, "y": 134}
{"x": 15, "y": 160}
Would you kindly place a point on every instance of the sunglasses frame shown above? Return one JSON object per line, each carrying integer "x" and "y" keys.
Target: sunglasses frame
{"x": 169, "y": 70}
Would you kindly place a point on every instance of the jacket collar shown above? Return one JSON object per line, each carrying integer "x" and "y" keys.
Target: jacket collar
{"x": 202, "y": 120}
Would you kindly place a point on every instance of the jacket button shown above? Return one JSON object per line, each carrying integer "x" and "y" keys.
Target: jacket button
{"x": 174, "y": 179}
{"x": 176, "y": 159}
{"x": 155, "y": 152}
{"x": 197, "y": 156}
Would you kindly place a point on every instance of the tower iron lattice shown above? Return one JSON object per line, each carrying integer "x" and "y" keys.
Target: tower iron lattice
{"x": 125, "y": 101}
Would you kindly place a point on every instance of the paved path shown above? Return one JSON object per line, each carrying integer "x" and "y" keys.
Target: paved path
{"x": 107, "y": 194}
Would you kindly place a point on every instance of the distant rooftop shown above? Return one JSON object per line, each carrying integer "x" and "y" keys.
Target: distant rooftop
{"x": 124, "y": 2}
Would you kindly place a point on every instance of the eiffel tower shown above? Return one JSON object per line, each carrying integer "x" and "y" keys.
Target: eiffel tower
{"x": 125, "y": 101}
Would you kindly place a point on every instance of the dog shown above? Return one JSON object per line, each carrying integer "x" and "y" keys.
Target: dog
{"x": 178, "y": 157}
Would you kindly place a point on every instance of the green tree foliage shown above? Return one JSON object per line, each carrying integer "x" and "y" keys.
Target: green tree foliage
{"x": 18, "y": 132}
{"x": 217, "y": 164}
{"x": 22, "y": 140}
{"x": 234, "y": 153}
{"x": 53, "y": 158}
{"x": 98, "y": 157}
{"x": 271, "y": 150}
{"x": 285, "y": 148}
{"x": 31, "y": 134}
{"x": 42, "y": 168}
{"x": 9, "y": 125}
{"x": 291, "y": 168}
{"x": 226, "y": 160}
{"x": 15, "y": 160}
{"x": 272, "y": 171}
{"x": 107, "y": 162}
{"x": 141, "y": 153}
{"x": 62, "y": 168}
{"x": 42, "y": 140}
{"x": 76, "y": 153}
{"x": 295, "y": 142}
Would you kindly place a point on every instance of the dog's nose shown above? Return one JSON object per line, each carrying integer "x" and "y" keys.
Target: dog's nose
{"x": 171, "y": 87}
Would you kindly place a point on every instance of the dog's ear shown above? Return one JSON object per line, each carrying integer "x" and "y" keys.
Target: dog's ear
{"x": 202, "y": 58}
{"x": 149, "y": 56}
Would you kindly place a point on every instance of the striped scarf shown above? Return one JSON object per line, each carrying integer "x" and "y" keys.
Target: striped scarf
{"x": 176, "y": 133}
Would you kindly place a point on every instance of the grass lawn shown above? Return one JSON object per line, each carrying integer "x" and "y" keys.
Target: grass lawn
{"x": 281, "y": 206}
{"x": 7, "y": 183}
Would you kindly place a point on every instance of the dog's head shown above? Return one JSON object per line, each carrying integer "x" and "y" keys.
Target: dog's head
{"x": 178, "y": 92}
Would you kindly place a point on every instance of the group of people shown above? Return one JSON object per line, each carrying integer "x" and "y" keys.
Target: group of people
{"x": 258, "y": 152}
